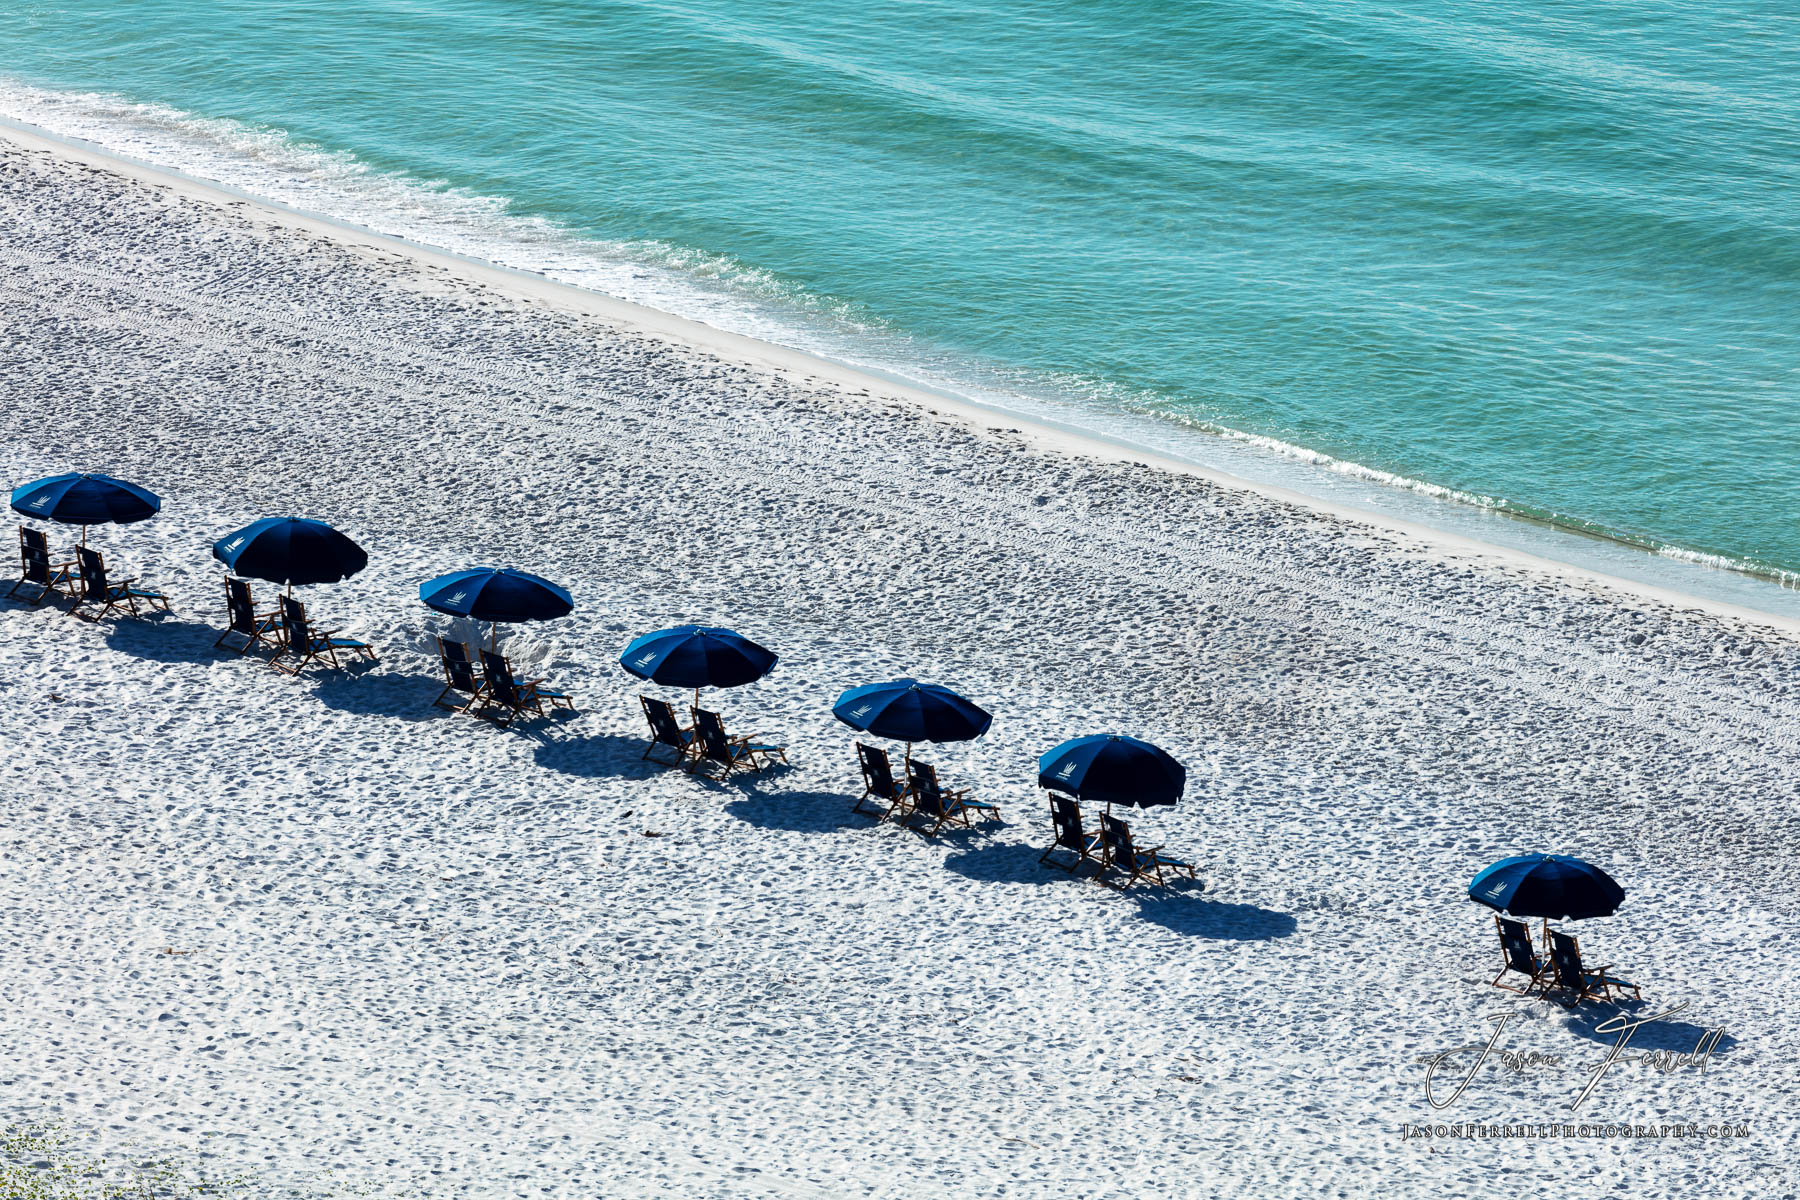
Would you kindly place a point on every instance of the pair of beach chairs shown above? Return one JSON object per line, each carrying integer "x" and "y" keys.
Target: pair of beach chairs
{"x": 921, "y": 797}
{"x": 496, "y": 693}
{"x": 82, "y": 580}
{"x": 705, "y": 742}
{"x": 1560, "y": 971}
{"x": 1112, "y": 851}
{"x": 286, "y": 630}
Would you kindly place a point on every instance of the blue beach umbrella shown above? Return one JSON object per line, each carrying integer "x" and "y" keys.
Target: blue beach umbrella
{"x": 1551, "y": 886}
{"x": 697, "y": 656}
{"x": 905, "y": 710}
{"x": 290, "y": 550}
{"x": 1113, "y": 769}
{"x": 496, "y": 594}
{"x": 85, "y": 500}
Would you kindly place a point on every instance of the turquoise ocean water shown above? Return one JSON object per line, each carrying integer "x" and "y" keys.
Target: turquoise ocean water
{"x": 1537, "y": 256}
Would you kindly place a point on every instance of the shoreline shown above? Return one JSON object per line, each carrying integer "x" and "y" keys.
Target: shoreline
{"x": 1041, "y": 432}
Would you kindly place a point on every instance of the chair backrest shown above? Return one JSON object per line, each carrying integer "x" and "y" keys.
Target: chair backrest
{"x": 927, "y": 796}
{"x": 93, "y": 573}
{"x": 664, "y": 728}
{"x": 1516, "y": 940}
{"x": 459, "y": 672}
{"x": 878, "y": 772}
{"x": 34, "y": 553}
{"x": 1066, "y": 815}
{"x": 293, "y": 623}
{"x": 1116, "y": 836}
{"x": 238, "y": 605}
{"x": 1567, "y": 957}
{"x": 711, "y": 731}
{"x": 498, "y": 673}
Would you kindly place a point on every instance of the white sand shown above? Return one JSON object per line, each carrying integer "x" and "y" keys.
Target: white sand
{"x": 422, "y": 952}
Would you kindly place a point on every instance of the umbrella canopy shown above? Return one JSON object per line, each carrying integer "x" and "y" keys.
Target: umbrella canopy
{"x": 694, "y": 656}
{"x": 496, "y": 594}
{"x": 85, "y": 500}
{"x": 906, "y": 710}
{"x": 1113, "y": 769}
{"x": 290, "y": 550}
{"x": 1552, "y": 886}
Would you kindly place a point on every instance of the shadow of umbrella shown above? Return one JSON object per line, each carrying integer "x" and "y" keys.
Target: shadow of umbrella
{"x": 598, "y": 756}
{"x": 1670, "y": 1035}
{"x": 166, "y": 639}
{"x": 363, "y": 689}
{"x": 1183, "y": 909}
{"x": 1012, "y": 862}
{"x": 797, "y": 812}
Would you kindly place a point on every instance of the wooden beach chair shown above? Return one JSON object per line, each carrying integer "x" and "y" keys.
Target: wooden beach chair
{"x": 497, "y": 667}
{"x": 1521, "y": 958}
{"x": 503, "y": 698}
{"x": 939, "y": 806}
{"x": 1577, "y": 981}
{"x": 302, "y": 643}
{"x": 666, "y": 731}
{"x": 242, "y": 620}
{"x": 96, "y": 589}
{"x": 733, "y": 754}
{"x": 878, "y": 783}
{"x": 1122, "y": 854}
{"x": 459, "y": 675}
{"x": 36, "y": 569}
{"x": 1065, "y": 823}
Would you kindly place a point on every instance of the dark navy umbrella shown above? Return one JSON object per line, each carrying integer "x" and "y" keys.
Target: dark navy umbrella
{"x": 1113, "y": 769}
{"x": 290, "y": 550}
{"x": 696, "y": 656}
{"x": 496, "y": 594}
{"x": 906, "y": 710}
{"x": 1548, "y": 886}
{"x": 86, "y": 500}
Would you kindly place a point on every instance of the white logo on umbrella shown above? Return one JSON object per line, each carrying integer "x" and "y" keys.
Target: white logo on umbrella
{"x": 861, "y": 710}
{"x": 40, "y": 501}
{"x": 234, "y": 543}
{"x": 456, "y": 599}
{"x": 1068, "y": 769}
{"x": 1498, "y": 888}
{"x": 646, "y": 660}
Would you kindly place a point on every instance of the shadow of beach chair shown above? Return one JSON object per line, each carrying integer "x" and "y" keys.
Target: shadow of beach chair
{"x": 878, "y": 783}
{"x": 96, "y": 589}
{"x": 940, "y": 807}
{"x": 1065, "y": 822}
{"x": 303, "y": 644}
{"x": 459, "y": 674}
{"x": 1579, "y": 982}
{"x": 242, "y": 620}
{"x": 36, "y": 569}
{"x": 1122, "y": 854}
{"x": 666, "y": 731}
{"x": 1521, "y": 958}
{"x": 734, "y": 754}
